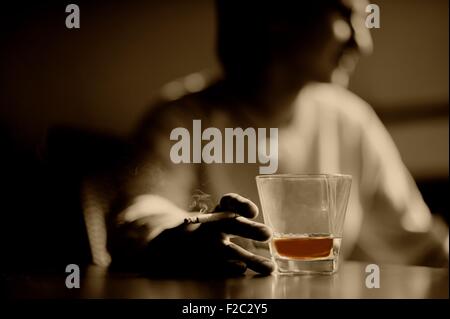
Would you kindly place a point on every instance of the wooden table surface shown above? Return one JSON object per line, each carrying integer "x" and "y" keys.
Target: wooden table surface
{"x": 395, "y": 282}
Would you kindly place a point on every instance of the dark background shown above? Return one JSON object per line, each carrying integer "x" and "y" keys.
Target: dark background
{"x": 95, "y": 82}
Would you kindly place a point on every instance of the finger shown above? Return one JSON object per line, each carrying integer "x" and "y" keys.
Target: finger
{"x": 238, "y": 204}
{"x": 243, "y": 227}
{"x": 257, "y": 263}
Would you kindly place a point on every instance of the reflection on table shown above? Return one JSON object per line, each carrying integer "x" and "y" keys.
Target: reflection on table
{"x": 350, "y": 282}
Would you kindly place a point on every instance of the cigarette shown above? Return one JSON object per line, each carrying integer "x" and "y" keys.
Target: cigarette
{"x": 207, "y": 218}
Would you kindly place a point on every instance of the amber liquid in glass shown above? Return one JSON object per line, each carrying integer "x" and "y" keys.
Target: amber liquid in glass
{"x": 304, "y": 246}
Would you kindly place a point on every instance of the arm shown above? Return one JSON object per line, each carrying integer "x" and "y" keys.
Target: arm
{"x": 398, "y": 225}
{"x": 146, "y": 226}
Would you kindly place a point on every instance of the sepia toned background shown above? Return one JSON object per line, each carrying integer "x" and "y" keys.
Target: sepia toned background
{"x": 103, "y": 76}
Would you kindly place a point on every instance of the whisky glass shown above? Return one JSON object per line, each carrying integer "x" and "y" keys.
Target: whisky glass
{"x": 306, "y": 214}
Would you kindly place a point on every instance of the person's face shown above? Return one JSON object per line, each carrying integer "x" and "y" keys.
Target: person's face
{"x": 329, "y": 53}
{"x": 351, "y": 38}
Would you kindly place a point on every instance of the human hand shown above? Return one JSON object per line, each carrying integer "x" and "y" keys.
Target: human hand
{"x": 198, "y": 249}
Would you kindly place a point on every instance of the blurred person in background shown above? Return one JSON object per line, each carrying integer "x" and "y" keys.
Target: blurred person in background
{"x": 286, "y": 65}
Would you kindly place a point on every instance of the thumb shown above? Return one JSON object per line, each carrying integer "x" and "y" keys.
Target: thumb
{"x": 238, "y": 204}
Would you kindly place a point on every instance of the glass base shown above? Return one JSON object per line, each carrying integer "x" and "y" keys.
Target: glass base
{"x": 306, "y": 267}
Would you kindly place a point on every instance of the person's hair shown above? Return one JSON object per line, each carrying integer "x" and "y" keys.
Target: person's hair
{"x": 247, "y": 34}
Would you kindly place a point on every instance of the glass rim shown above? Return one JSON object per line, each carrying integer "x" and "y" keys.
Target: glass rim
{"x": 304, "y": 176}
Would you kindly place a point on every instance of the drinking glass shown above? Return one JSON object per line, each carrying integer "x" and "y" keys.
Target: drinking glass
{"x": 306, "y": 214}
